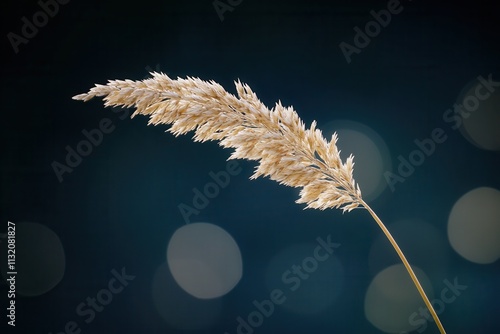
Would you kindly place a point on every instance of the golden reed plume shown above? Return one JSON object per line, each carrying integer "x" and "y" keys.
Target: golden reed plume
{"x": 276, "y": 138}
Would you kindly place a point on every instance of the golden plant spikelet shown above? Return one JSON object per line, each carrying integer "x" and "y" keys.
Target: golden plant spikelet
{"x": 287, "y": 152}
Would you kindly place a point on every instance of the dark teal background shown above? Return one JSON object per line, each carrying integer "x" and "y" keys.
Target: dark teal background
{"x": 118, "y": 208}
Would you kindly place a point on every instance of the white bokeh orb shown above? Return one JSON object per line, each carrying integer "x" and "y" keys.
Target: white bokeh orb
{"x": 474, "y": 225}
{"x": 204, "y": 260}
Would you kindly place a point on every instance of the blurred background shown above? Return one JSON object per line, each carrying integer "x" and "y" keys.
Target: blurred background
{"x": 123, "y": 228}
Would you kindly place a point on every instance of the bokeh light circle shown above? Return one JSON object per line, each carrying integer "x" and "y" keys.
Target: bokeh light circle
{"x": 474, "y": 225}
{"x": 391, "y": 298}
{"x": 204, "y": 260}
{"x": 40, "y": 259}
{"x": 480, "y": 115}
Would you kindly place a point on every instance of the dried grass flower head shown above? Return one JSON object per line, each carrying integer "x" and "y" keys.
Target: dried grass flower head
{"x": 276, "y": 138}
{"x": 287, "y": 152}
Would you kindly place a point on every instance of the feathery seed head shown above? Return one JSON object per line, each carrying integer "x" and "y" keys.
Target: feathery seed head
{"x": 287, "y": 152}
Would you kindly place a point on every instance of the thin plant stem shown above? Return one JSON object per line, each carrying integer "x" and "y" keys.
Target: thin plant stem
{"x": 407, "y": 266}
